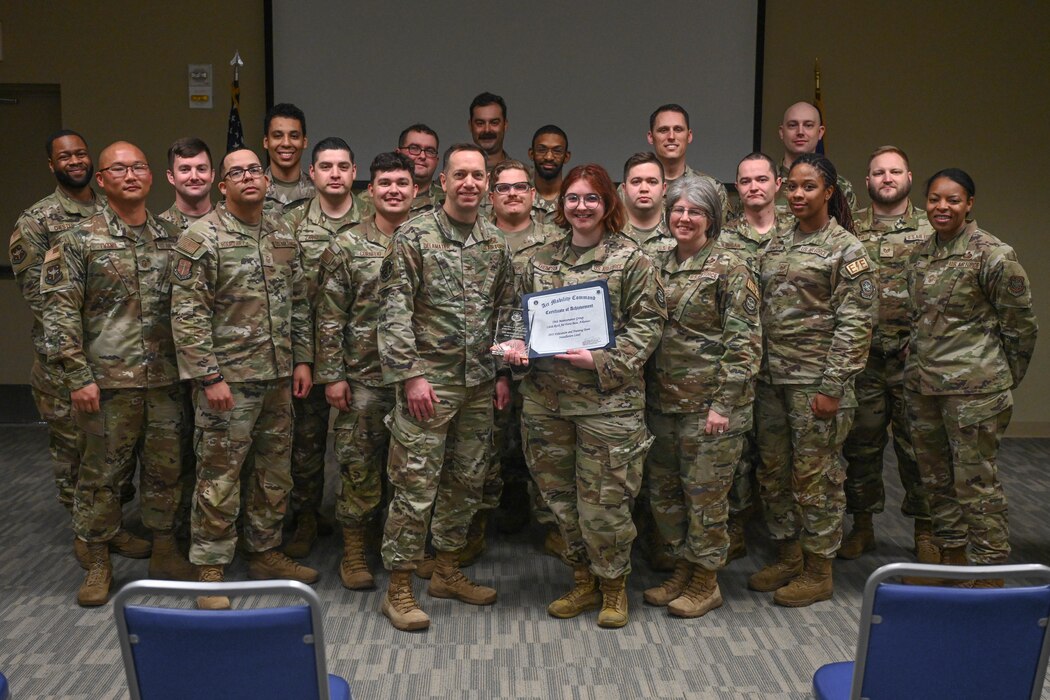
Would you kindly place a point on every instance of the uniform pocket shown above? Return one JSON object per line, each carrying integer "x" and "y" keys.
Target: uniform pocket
{"x": 623, "y": 477}
{"x": 975, "y": 412}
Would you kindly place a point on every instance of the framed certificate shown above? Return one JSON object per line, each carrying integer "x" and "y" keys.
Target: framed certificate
{"x": 577, "y": 316}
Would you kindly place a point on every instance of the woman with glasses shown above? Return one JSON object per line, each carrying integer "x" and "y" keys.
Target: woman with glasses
{"x": 583, "y": 416}
{"x": 699, "y": 393}
{"x": 817, "y": 293}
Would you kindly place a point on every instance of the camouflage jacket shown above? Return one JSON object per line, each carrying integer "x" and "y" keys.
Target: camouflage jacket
{"x": 432, "y": 198}
{"x": 972, "y": 326}
{"x": 636, "y": 298}
{"x": 107, "y": 298}
{"x": 711, "y": 346}
{"x": 740, "y": 235}
{"x": 843, "y": 184}
{"x": 440, "y": 295}
{"x": 238, "y": 302}
{"x": 653, "y": 241}
{"x": 817, "y": 294}
{"x": 37, "y": 230}
{"x": 347, "y": 306}
{"x": 889, "y": 247}
{"x": 315, "y": 231}
{"x": 175, "y": 216}
{"x": 524, "y": 243}
{"x": 543, "y": 210}
{"x": 277, "y": 201}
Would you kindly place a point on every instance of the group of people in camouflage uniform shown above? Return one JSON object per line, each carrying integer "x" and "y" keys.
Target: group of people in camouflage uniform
{"x": 771, "y": 342}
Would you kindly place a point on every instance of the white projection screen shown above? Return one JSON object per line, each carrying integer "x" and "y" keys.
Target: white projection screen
{"x": 365, "y": 69}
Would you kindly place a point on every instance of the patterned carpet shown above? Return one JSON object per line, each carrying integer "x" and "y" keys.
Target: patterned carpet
{"x": 50, "y": 648}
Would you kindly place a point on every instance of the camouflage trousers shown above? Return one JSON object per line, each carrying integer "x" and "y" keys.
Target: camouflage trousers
{"x": 260, "y": 424}
{"x": 424, "y": 479}
{"x": 132, "y": 425}
{"x": 801, "y": 474}
{"x": 589, "y": 470}
{"x": 56, "y": 409}
{"x": 309, "y": 441}
{"x": 956, "y": 441}
{"x": 742, "y": 492}
{"x": 361, "y": 440}
{"x": 690, "y": 474}
{"x": 880, "y": 404}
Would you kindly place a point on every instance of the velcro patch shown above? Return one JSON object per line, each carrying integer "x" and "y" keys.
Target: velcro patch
{"x": 546, "y": 268}
{"x": 53, "y": 254}
{"x": 183, "y": 269}
{"x": 709, "y": 275}
{"x": 1016, "y": 285}
{"x": 965, "y": 264}
{"x": 750, "y": 304}
{"x": 867, "y": 288}
{"x": 752, "y": 287}
{"x": 813, "y": 250}
{"x": 188, "y": 245}
{"x": 386, "y": 271}
{"x": 916, "y": 237}
{"x": 857, "y": 266}
{"x": 53, "y": 273}
{"x": 18, "y": 252}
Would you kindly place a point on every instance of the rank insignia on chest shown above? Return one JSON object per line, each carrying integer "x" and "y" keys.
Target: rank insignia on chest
{"x": 867, "y": 289}
{"x": 886, "y": 250}
{"x": 661, "y": 299}
{"x": 183, "y": 269}
{"x": 18, "y": 253}
{"x": 1016, "y": 285}
{"x": 53, "y": 273}
{"x": 386, "y": 271}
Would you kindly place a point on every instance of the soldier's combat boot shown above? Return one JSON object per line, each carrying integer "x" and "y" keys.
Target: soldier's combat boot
{"x": 211, "y": 573}
{"x": 614, "y": 602}
{"x": 353, "y": 569}
{"x": 584, "y": 595}
{"x": 425, "y": 568}
{"x": 926, "y": 552}
{"x": 737, "y": 542}
{"x": 787, "y": 566}
{"x": 95, "y": 589}
{"x": 400, "y": 606}
{"x": 302, "y": 540}
{"x": 672, "y": 587}
{"x": 861, "y": 537}
{"x": 955, "y": 556}
{"x": 127, "y": 545}
{"x": 554, "y": 543}
{"x": 476, "y": 543}
{"x": 701, "y": 595}
{"x": 167, "y": 561}
{"x": 812, "y": 585}
{"x": 449, "y": 582}
{"x": 274, "y": 564}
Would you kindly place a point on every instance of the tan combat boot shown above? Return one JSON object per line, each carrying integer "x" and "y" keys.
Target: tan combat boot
{"x": 614, "y": 602}
{"x": 127, "y": 545}
{"x": 302, "y": 540}
{"x": 476, "y": 542}
{"x": 701, "y": 595}
{"x": 554, "y": 544}
{"x": 80, "y": 551}
{"x": 737, "y": 543}
{"x": 672, "y": 587}
{"x": 167, "y": 561}
{"x": 400, "y": 606}
{"x": 926, "y": 552}
{"x": 425, "y": 568}
{"x": 861, "y": 537}
{"x": 95, "y": 589}
{"x": 211, "y": 573}
{"x": 813, "y": 585}
{"x": 353, "y": 569}
{"x": 787, "y": 566}
{"x": 584, "y": 595}
{"x": 449, "y": 582}
{"x": 274, "y": 564}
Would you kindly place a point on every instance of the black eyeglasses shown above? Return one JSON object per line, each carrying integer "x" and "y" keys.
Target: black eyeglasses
{"x": 120, "y": 170}
{"x": 415, "y": 150}
{"x": 239, "y": 173}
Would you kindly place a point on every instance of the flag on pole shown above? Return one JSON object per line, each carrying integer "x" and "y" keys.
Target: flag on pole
{"x": 234, "y": 129}
{"x": 818, "y": 102}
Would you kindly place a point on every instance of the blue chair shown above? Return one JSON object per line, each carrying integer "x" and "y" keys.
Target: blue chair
{"x": 5, "y": 692}
{"x": 270, "y": 652}
{"x": 933, "y": 643}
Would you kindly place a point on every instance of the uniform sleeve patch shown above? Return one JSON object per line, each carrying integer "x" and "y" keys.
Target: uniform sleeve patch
{"x": 53, "y": 273}
{"x": 1016, "y": 285}
{"x": 183, "y": 269}
{"x": 18, "y": 253}
{"x": 53, "y": 254}
{"x": 188, "y": 245}
{"x": 752, "y": 287}
{"x": 750, "y": 303}
{"x": 386, "y": 271}
{"x": 661, "y": 298}
{"x": 857, "y": 266}
{"x": 867, "y": 289}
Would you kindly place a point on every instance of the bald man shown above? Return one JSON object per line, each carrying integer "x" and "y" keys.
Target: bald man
{"x": 800, "y": 132}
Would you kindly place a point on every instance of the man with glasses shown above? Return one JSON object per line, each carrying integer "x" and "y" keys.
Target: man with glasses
{"x": 643, "y": 194}
{"x": 420, "y": 143}
{"x": 243, "y": 333}
{"x": 191, "y": 173}
{"x": 107, "y": 305}
{"x": 549, "y": 154}
{"x": 284, "y": 138}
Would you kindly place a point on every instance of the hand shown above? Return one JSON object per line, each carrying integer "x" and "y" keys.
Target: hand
{"x": 716, "y": 423}
{"x": 421, "y": 398}
{"x": 85, "y": 399}
{"x": 219, "y": 396}
{"x": 578, "y": 357}
{"x": 339, "y": 395}
{"x": 824, "y": 406}
{"x": 302, "y": 380}
{"x": 514, "y": 353}
{"x": 502, "y": 396}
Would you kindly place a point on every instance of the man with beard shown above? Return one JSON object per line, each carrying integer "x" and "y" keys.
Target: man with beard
{"x": 890, "y": 229}
{"x": 488, "y": 127}
{"x": 284, "y": 138}
{"x": 800, "y": 132}
{"x": 643, "y": 194}
{"x": 191, "y": 173}
{"x": 549, "y": 154}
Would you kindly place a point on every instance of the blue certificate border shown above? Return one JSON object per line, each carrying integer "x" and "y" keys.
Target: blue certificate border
{"x": 596, "y": 284}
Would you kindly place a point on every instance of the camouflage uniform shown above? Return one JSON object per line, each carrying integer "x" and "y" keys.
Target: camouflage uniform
{"x": 707, "y": 360}
{"x": 175, "y": 216}
{"x": 239, "y": 307}
{"x": 440, "y": 290}
{"x": 842, "y": 183}
{"x": 347, "y": 311}
{"x": 315, "y": 231}
{"x": 544, "y": 210}
{"x": 584, "y": 430}
{"x": 279, "y": 198}
{"x": 107, "y": 302}
{"x": 817, "y": 296}
{"x": 37, "y": 230}
{"x": 427, "y": 200}
{"x": 880, "y": 387}
{"x": 973, "y": 332}
{"x": 653, "y": 241}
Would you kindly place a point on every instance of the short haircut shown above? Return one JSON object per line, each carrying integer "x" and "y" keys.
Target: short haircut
{"x": 485, "y": 99}
{"x": 883, "y": 150}
{"x": 421, "y": 128}
{"x": 187, "y": 148}
{"x": 49, "y": 144}
{"x": 615, "y": 217}
{"x": 286, "y": 110}
{"x": 820, "y": 115}
{"x": 640, "y": 158}
{"x": 509, "y": 164}
{"x": 550, "y": 129}
{"x": 389, "y": 162}
{"x": 959, "y": 177}
{"x": 456, "y": 148}
{"x": 700, "y": 192}
{"x": 222, "y": 163}
{"x": 669, "y": 107}
{"x": 759, "y": 155}
{"x": 331, "y": 143}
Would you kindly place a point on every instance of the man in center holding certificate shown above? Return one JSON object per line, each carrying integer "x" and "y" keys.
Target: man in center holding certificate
{"x": 583, "y": 419}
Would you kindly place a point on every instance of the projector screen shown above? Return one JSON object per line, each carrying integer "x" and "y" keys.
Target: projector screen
{"x": 365, "y": 70}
